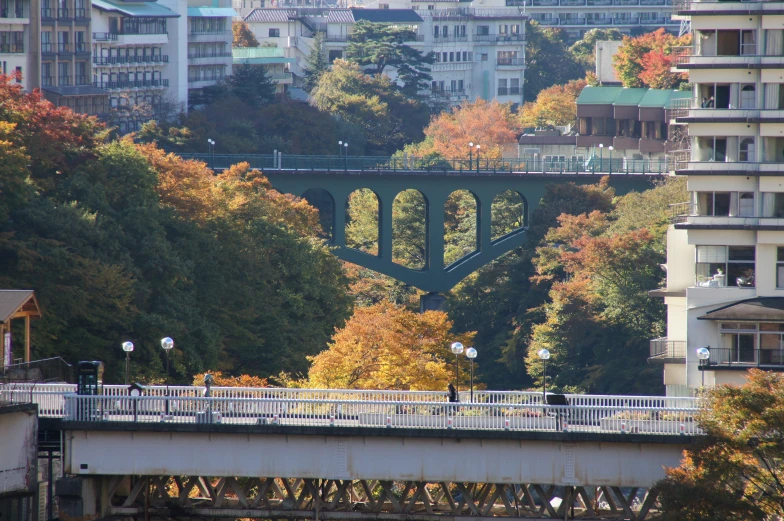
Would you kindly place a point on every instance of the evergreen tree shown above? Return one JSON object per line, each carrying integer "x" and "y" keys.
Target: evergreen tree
{"x": 252, "y": 84}
{"x": 316, "y": 63}
{"x": 547, "y": 60}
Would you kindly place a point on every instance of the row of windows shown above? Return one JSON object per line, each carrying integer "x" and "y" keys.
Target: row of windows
{"x": 453, "y": 86}
{"x": 737, "y": 204}
{"x": 453, "y": 56}
{"x": 137, "y": 25}
{"x": 86, "y": 104}
{"x": 208, "y": 25}
{"x": 206, "y": 73}
{"x": 12, "y": 41}
{"x": 720, "y": 266}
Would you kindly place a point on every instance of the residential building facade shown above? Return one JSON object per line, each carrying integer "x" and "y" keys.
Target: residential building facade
{"x": 19, "y": 34}
{"x": 478, "y": 53}
{"x": 209, "y": 45}
{"x": 725, "y": 251}
{"x": 272, "y": 59}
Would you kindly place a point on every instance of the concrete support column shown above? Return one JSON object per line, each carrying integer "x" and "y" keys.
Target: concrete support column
{"x": 385, "y": 226}
{"x": 484, "y": 222}
{"x": 434, "y": 239}
{"x": 339, "y": 219}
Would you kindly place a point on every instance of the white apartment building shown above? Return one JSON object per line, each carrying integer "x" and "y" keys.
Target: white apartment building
{"x": 130, "y": 55}
{"x": 725, "y": 250}
{"x": 209, "y": 44}
{"x": 479, "y": 53}
{"x": 272, "y": 59}
{"x": 16, "y": 36}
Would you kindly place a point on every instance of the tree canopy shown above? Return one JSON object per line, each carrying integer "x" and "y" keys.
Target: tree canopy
{"x": 548, "y": 61}
{"x": 243, "y": 36}
{"x": 734, "y": 472}
{"x": 646, "y": 61}
{"x": 316, "y": 62}
{"x": 584, "y": 50}
{"x": 554, "y": 106}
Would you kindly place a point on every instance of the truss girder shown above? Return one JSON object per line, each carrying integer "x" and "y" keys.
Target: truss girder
{"x": 145, "y": 497}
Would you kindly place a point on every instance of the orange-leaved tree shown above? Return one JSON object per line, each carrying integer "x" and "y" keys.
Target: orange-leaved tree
{"x": 486, "y": 123}
{"x": 554, "y": 106}
{"x": 645, "y": 61}
{"x": 221, "y": 380}
{"x": 384, "y": 346}
{"x": 243, "y": 36}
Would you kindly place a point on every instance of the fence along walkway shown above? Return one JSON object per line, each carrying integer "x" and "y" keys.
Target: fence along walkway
{"x": 490, "y": 410}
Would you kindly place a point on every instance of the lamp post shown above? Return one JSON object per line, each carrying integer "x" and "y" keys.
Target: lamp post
{"x": 601, "y": 156}
{"x": 127, "y": 347}
{"x": 610, "y": 148}
{"x": 167, "y": 344}
{"x": 211, "y": 145}
{"x": 544, "y": 356}
{"x": 478, "y": 148}
{"x": 470, "y": 155}
{"x": 457, "y": 349}
{"x": 340, "y": 152}
{"x": 345, "y": 145}
{"x": 471, "y": 354}
{"x": 703, "y": 354}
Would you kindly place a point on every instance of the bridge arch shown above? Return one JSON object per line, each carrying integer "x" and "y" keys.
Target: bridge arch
{"x": 509, "y": 214}
{"x": 411, "y": 214}
{"x": 461, "y": 224}
{"x": 363, "y": 221}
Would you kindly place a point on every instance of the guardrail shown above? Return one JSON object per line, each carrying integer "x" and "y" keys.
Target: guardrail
{"x": 391, "y": 414}
{"x": 380, "y": 164}
{"x": 51, "y": 398}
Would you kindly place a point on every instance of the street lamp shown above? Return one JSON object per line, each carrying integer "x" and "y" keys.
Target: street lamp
{"x": 544, "y": 356}
{"x": 345, "y": 145}
{"x": 127, "y": 347}
{"x": 471, "y": 354}
{"x": 457, "y": 349}
{"x": 610, "y": 148}
{"x": 470, "y": 155}
{"x": 601, "y": 156}
{"x": 211, "y": 145}
{"x": 703, "y": 354}
{"x": 478, "y": 147}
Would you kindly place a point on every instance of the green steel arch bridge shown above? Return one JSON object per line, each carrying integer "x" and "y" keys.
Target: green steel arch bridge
{"x": 328, "y": 181}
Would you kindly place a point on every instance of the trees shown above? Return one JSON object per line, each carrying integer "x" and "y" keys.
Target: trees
{"x": 645, "y": 61}
{"x": 735, "y": 472}
{"x": 487, "y": 123}
{"x": 243, "y": 36}
{"x": 584, "y": 50}
{"x": 554, "y": 106}
{"x": 376, "y": 46}
{"x": 316, "y": 63}
{"x": 251, "y": 84}
{"x": 387, "y": 347}
{"x": 546, "y": 47}
{"x": 373, "y": 103}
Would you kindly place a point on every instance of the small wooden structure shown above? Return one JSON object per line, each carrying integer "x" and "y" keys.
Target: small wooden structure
{"x": 17, "y": 303}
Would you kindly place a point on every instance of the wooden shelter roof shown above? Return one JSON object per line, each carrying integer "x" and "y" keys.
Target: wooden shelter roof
{"x": 18, "y": 303}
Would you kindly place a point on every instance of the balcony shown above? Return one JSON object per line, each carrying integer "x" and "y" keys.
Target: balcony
{"x": 47, "y": 48}
{"x": 336, "y": 38}
{"x": 741, "y": 358}
{"x": 64, "y": 48}
{"x": 510, "y": 62}
{"x": 47, "y": 81}
{"x": 138, "y": 84}
{"x": 733, "y": 115}
{"x": 15, "y": 16}
{"x": 692, "y": 167}
{"x": 626, "y": 143}
{"x": 210, "y": 36}
{"x": 47, "y": 14}
{"x": 105, "y": 37}
{"x": 686, "y": 216}
{"x": 451, "y": 66}
{"x": 82, "y": 80}
{"x": 665, "y": 349}
{"x": 11, "y": 48}
{"x": 221, "y": 58}
{"x": 725, "y": 7}
{"x": 81, "y": 13}
{"x": 652, "y": 146}
{"x": 64, "y": 14}
{"x": 450, "y": 38}
{"x": 82, "y": 48}
{"x": 282, "y": 78}
{"x": 106, "y": 61}
{"x": 63, "y": 81}
{"x": 510, "y": 38}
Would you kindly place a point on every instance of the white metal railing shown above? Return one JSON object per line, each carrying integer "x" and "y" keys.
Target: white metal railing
{"x": 393, "y": 414}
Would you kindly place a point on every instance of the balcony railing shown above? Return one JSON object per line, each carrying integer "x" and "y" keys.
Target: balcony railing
{"x": 63, "y": 81}
{"x": 221, "y": 54}
{"x": 138, "y": 84}
{"x": 129, "y": 60}
{"x": 105, "y": 37}
{"x": 46, "y": 13}
{"x": 80, "y": 13}
{"x": 450, "y": 38}
{"x": 63, "y": 14}
{"x": 8, "y": 48}
{"x": 503, "y": 91}
{"x": 666, "y": 348}
{"x": 81, "y": 47}
{"x": 63, "y": 48}
{"x": 510, "y": 62}
{"x": 82, "y": 80}
{"x": 336, "y": 38}
{"x": 743, "y": 357}
{"x": 47, "y": 48}
{"x": 215, "y": 32}
{"x": 47, "y": 81}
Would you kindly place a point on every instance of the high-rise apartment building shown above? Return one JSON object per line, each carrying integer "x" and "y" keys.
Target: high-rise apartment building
{"x": 209, "y": 44}
{"x": 725, "y": 250}
{"x": 19, "y": 27}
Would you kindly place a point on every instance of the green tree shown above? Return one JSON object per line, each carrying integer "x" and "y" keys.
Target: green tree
{"x": 545, "y": 47}
{"x": 376, "y": 46}
{"x": 251, "y": 84}
{"x": 373, "y": 103}
{"x": 584, "y": 50}
{"x": 316, "y": 63}
{"x": 735, "y": 471}
{"x": 646, "y": 60}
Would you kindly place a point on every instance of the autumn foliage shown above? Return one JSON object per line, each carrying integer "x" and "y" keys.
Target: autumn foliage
{"x": 384, "y": 346}
{"x": 487, "y": 123}
{"x": 645, "y": 61}
{"x": 221, "y": 380}
{"x": 554, "y": 106}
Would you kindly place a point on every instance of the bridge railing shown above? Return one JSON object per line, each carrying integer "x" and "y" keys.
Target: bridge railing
{"x": 284, "y": 162}
{"x": 50, "y": 397}
{"x": 389, "y": 414}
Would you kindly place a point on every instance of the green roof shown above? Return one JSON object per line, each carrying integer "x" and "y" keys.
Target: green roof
{"x": 630, "y": 97}
{"x": 598, "y": 95}
{"x": 259, "y": 55}
{"x": 657, "y": 98}
{"x": 196, "y": 12}
{"x": 145, "y": 9}
{"x": 679, "y": 94}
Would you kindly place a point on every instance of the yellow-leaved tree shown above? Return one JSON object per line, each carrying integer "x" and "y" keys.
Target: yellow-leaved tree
{"x": 384, "y": 346}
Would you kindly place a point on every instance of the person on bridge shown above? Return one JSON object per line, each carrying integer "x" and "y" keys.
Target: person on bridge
{"x": 452, "y": 394}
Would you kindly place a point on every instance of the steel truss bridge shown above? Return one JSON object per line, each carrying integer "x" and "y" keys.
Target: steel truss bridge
{"x": 362, "y": 455}
{"x": 328, "y": 181}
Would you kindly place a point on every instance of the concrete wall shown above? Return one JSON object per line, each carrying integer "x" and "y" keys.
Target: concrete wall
{"x": 19, "y": 453}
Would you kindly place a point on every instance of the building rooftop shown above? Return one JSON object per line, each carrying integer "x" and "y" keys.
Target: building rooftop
{"x": 622, "y": 96}
{"x": 272, "y": 15}
{"x": 598, "y": 95}
{"x": 386, "y": 15}
{"x": 145, "y": 9}
{"x": 205, "y": 12}
{"x": 630, "y": 97}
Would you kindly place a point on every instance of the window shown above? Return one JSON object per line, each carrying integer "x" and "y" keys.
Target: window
{"x": 503, "y": 90}
{"x": 725, "y": 266}
{"x": 274, "y": 33}
{"x": 483, "y": 57}
{"x": 746, "y": 151}
{"x": 723, "y": 204}
{"x": 435, "y": 31}
{"x": 738, "y": 344}
{"x": 514, "y": 86}
{"x": 483, "y": 30}
{"x": 445, "y": 31}
{"x": 63, "y": 74}
{"x": 780, "y": 267}
{"x": 451, "y": 56}
{"x": 748, "y": 43}
{"x": 444, "y": 56}
{"x": 773, "y": 204}
{"x": 460, "y": 85}
{"x": 18, "y": 75}
{"x": 335, "y": 55}
{"x": 747, "y": 97}
{"x": 465, "y": 56}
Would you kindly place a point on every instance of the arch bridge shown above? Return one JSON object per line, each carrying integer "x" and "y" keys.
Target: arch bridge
{"x": 327, "y": 183}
